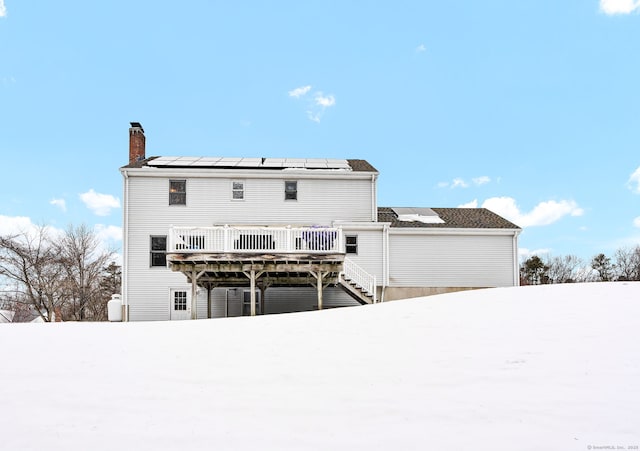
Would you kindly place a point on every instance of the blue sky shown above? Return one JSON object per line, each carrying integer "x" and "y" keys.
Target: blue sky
{"x": 530, "y": 108}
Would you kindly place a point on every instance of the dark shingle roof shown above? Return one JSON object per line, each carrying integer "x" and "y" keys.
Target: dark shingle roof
{"x": 361, "y": 166}
{"x": 454, "y": 218}
{"x": 139, "y": 164}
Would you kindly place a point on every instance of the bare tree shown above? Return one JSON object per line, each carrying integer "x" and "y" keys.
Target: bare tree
{"x": 32, "y": 273}
{"x": 110, "y": 283}
{"x": 627, "y": 263}
{"x": 83, "y": 260}
{"x": 55, "y": 275}
{"x": 565, "y": 269}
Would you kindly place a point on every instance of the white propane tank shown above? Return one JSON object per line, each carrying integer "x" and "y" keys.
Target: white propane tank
{"x": 114, "y": 308}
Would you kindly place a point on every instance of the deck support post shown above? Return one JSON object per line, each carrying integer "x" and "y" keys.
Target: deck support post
{"x": 253, "y": 292}
{"x": 319, "y": 285}
{"x": 319, "y": 288}
{"x": 194, "y": 294}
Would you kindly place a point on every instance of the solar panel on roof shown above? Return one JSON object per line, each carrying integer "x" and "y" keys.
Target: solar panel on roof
{"x": 273, "y": 163}
{"x": 316, "y": 165}
{"x": 251, "y": 162}
{"x": 424, "y": 215}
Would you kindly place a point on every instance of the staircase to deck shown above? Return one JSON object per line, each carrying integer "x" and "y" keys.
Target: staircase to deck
{"x": 358, "y": 283}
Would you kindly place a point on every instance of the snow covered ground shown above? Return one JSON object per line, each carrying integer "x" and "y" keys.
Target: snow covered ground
{"x": 532, "y": 368}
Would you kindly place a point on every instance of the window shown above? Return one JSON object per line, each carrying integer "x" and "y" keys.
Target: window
{"x": 177, "y": 192}
{"x": 180, "y": 301}
{"x": 291, "y": 190}
{"x": 351, "y": 244}
{"x": 159, "y": 251}
{"x": 237, "y": 190}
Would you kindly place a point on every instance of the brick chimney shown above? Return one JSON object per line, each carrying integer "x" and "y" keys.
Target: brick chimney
{"x": 136, "y": 143}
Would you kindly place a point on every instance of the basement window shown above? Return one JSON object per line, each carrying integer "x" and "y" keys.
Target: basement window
{"x": 159, "y": 251}
{"x": 177, "y": 192}
{"x": 237, "y": 190}
{"x": 290, "y": 190}
{"x": 351, "y": 244}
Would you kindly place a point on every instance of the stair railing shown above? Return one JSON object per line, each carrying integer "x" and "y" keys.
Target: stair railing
{"x": 361, "y": 278}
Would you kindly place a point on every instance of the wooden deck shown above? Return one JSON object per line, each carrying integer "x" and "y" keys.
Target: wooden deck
{"x": 231, "y": 269}
{"x": 258, "y": 258}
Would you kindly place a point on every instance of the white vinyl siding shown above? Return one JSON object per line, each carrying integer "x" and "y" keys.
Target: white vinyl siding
{"x": 320, "y": 201}
{"x": 451, "y": 260}
{"x": 370, "y": 251}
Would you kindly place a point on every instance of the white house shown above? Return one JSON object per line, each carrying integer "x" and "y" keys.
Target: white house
{"x": 214, "y": 237}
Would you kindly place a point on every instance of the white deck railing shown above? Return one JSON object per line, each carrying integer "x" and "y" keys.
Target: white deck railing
{"x": 365, "y": 281}
{"x": 227, "y": 239}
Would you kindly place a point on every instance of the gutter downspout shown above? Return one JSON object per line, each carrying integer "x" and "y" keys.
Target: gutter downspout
{"x": 516, "y": 266}
{"x": 386, "y": 268}
{"x": 125, "y": 249}
{"x": 374, "y": 206}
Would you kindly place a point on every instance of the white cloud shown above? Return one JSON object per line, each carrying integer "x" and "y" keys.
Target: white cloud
{"x": 544, "y": 213}
{"x": 525, "y": 253}
{"x": 314, "y": 116}
{"x": 481, "y": 180}
{"x": 100, "y": 204}
{"x": 299, "y": 92}
{"x": 60, "y": 203}
{"x": 3, "y": 9}
{"x": 636, "y": 222}
{"x": 459, "y": 183}
{"x": 472, "y": 204}
{"x": 23, "y": 225}
{"x": 109, "y": 237}
{"x": 317, "y": 104}
{"x": 619, "y": 6}
{"x": 634, "y": 181}
{"x": 108, "y": 233}
{"x": 323, "y": 101}
{"x": 421, "y": 48}
{"x": 10, "y": 225}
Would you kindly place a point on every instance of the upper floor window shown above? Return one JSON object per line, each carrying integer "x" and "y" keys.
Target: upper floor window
{"x": 177, "y": 192}
{"x": 159, "y": 250}
{"x": 351, "y": 244}
{"x": 237, "y": 190}
{"x": 290, "y": 190}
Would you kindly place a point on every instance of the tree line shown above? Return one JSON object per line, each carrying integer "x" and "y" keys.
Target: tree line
{"x": 624, "y": 265}
{"x": 63, "y": 276}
